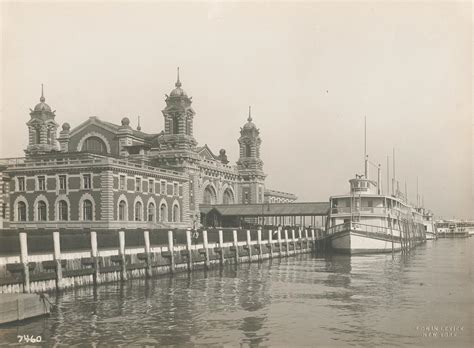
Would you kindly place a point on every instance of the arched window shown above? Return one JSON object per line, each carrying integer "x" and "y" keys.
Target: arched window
{"x": 151, "y": 212}
{"x": 48, "y": 136}
{"x": 176, "y": 213}
{"x": 62, "y": 211}
{"x": 122, "y": 213}
{"x": 87, "y": 210}
{"x": 95, "y": 145}
{"x": 38, "y": 136}
{"x": 248, "y": 150}
{"x": 163, "y": 212}
{"x": 228, "y": 197}
{"x": 138, "y": 211}
{"x": 21, "y": 211}
{"x": 42, "y": 211}
{"x": 175, "y": 125}
{"x": 210, "y": 195}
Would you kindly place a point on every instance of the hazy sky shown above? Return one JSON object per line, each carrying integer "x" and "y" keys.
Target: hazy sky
{"x": 311, "y": 72}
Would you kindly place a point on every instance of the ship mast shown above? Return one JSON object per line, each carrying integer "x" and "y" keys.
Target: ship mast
{"x": 366, "y": 158}
{"x": 393, "y": 176}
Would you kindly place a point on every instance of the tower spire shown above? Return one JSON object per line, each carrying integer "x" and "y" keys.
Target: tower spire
{"x": 178, "y": 82}
{"x": 42, "y": 99}
{"x": 250, "y": 114}
{"x": 139, "y": 128}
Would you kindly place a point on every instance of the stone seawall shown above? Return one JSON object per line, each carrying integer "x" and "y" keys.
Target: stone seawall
{"x": 56, "y": 270}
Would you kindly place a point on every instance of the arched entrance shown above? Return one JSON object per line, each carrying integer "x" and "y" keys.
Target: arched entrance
{"x": 228, "y": 197}
{"x": 209, "y": 195}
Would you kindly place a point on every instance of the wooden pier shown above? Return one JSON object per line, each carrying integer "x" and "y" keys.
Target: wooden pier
{"x": 16, "y": 307}
{"x": 111, "y": 256}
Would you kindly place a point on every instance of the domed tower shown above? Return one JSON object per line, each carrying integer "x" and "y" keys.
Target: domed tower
{"x": 175, "y": 148}
{"x": 178, "y": 115}
{"x": 42, "y": 129}
{"x": 249, "y": 165}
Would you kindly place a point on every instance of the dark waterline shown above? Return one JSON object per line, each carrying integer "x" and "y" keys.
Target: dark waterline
{"x": 338, "y": 300}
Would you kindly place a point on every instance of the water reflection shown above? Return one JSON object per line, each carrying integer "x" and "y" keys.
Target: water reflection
{"x": 338, "y": 300}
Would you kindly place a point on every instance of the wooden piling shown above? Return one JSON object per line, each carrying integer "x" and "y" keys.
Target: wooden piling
{"x": 206, "y": 248}
{"x": 249, "y": 246}
{"x": 123, "y": 271}
{"x": 236, "y": 245}
{"x": 259, "y": 243}
{"x": 280, "y": 244}
{"x": 146, "y": 238}
{"x": 188, "y": 248}
{"x": 306, "y": 238}
{"x": 24, "y": 261}
{"x": 95, "y": 258}
{"x": 300, "y": 239}
{"x": 293, "y": 239}
{"x": 221, "y": 246}
{"x": 287, "y": 243}
{"x": 270, "y": 243}
{"x": 171, "y": 250}
{"x": 57, "y": 259}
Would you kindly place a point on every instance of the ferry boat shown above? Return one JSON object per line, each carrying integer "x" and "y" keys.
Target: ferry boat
{"x": 366, "y": 221}
{"x": 454, "y": 229}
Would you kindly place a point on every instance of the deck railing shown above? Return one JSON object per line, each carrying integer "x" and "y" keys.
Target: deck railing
{"x": 355, "y": 226}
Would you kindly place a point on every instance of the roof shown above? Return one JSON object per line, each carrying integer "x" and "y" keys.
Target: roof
{"x": 203, "y": 149}
{"x": 269, "y": 209}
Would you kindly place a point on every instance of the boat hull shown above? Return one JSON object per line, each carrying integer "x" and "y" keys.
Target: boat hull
{"x": 430, "y": 236}
{"x": 352, "y": 242}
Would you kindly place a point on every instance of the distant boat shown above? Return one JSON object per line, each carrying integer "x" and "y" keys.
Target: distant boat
{"x": 455, "y": 229}
{"x": 366, "y": 221}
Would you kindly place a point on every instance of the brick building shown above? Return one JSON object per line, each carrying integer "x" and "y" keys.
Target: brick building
{"x": 106, "y": 175}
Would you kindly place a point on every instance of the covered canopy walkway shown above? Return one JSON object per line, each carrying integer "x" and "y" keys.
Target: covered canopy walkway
{"x": 265, "y": 214}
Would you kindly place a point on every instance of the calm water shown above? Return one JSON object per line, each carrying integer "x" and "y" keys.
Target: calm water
{"x": 339, "y": 300}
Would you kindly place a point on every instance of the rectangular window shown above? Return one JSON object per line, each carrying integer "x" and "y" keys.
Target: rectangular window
{"x": 87, "y": 181}
{"x": 175, "y": 189}
{"x": 163, "y": 188}
{"x": 151, "y": 186}
{"x": 370, "y": 204}
{"x": 246, "y": 200}
{"x": 41, "y": 183}
{"x": 62, "y": 182}
{"x": 21, "y": 184}
{"x": 122, "y": 182}
{"x": 138, "y": 184}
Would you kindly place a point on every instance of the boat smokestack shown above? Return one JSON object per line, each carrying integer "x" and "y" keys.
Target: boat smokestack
{"x": 379, "y": 179}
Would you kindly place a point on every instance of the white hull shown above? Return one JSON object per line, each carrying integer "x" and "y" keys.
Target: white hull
{"x": 354, "y": 243}
{"x": 430, "y": 236}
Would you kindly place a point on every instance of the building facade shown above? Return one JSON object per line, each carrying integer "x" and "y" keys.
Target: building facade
{"x": 112, "y": 176}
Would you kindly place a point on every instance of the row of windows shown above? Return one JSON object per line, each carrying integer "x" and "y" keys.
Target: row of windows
{"x": 62, "y": 182}
{"x": 87, "y": 211}
{"x": 161, "y": 215}
{"x": 63, "y": 215}
{"x": 140, "y": 186}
